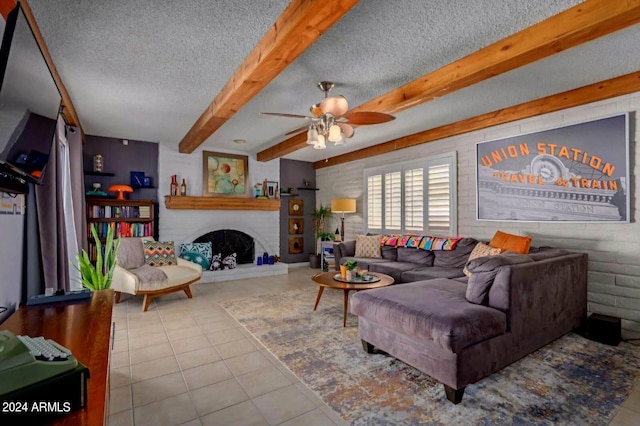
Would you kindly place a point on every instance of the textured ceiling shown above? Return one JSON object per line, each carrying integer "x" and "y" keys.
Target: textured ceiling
{"x": 147, "y": 69}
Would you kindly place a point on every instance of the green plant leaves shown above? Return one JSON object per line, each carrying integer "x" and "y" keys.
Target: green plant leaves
{"x": 99, "y": 276}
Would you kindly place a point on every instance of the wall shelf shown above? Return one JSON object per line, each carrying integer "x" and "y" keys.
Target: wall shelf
{"x": 220, "y": 203}
{"x": 89, "y": 173}
{"x": 305, "y": 188}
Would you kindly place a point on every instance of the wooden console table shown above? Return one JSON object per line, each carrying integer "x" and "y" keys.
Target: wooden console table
{"x": 84, "y": 327}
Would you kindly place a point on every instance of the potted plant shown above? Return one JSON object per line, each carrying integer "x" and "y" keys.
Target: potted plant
{"x": 351, "y": 266}
{"x": 99, "y": 276}
{"x": 319, "y": 216}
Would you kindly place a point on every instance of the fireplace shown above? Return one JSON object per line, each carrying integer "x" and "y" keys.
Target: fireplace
{"x": 228, "y": 241}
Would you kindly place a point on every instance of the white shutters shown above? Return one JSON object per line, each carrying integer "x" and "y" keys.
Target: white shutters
{"x": 439, "y": 207}
{"x": 374, "y": 204}
{"x": 393, "y": 200}
{"x": 414, "y": 197}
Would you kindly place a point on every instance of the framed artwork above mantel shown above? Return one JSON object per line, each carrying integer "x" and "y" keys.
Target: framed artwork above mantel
{"x": 224, "y": 175}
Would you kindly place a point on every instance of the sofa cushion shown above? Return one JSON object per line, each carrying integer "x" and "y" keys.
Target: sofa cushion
{"x": 414, "y": 241}
{"x": 420, "y": 257}
{"x": 428, "y": 273}
{"x": 438, "y": 243}
{"x": 159, "y": 253}
{"x": 389, "y": 253}
{"x": 480, "y": 250}
{"x": 196, "y": 257}
{"x": 150, "y": 278}
{"x": 131, "y": 253}
{"x": 542, "y": 253}
{"x": 393, "y": 269}
{"x": 455, "y": 258}
{"x": 177, "y": 274}
{"x": 509, "y": 242}
{"x": 483, "y": 272}
{"x": 422, "y": 310}
{"x": 368, "y": 246}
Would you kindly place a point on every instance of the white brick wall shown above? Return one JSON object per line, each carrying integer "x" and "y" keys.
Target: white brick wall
{"x": 185, "y": 225}
{"x": 614, "y": 250}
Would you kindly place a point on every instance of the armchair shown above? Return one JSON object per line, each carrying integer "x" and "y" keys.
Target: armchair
{"x": 131, "y": 275}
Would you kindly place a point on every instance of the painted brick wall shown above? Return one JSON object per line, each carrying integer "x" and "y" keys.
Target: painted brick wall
{"x": 614, "y": 250}
{"x": 185, "y": 225}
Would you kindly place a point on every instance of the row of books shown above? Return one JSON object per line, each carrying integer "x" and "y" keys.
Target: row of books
{"x": 142, "y": 212}
{"x": 123, "y": 229}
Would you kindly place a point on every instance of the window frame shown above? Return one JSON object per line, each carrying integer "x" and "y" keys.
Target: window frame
{"x": 448, "y": 158}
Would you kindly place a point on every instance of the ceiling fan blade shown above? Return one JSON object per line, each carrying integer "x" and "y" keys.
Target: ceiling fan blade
{"x": 368, "y": 117}
{"x": 335, "y": 105}
{"x": 298, "y": 130}
{"x": 279, "y": 114}
{"x": 347, "y": 129}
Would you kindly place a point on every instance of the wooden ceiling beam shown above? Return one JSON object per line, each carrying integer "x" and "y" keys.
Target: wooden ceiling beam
{"x": 607, "y": 89}
{"x": 299, "y": 26}
{"x": 68, "y": 110}
{"x": 573, "y": 27}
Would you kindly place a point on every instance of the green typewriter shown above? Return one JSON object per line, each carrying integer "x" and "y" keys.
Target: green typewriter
{"x": 34, "y": 370}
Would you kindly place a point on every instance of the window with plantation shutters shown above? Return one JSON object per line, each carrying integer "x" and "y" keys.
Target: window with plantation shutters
{"x": 392, "y": 200}
{"x": 414, "y": 197}
{"x": 439, "y": 206}
{"x": 374, "y": 204}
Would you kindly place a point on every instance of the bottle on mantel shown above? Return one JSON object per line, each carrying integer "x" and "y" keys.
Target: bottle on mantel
{"x": 183, "y": 188}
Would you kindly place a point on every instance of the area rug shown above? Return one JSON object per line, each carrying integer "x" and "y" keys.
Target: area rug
{"x": 570, "y": 381}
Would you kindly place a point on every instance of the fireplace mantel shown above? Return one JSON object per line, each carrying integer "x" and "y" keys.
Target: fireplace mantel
{"x": 220, "y": 203}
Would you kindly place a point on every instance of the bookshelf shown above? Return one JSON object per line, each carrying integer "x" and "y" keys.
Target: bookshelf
{"x": 129, "y": 218}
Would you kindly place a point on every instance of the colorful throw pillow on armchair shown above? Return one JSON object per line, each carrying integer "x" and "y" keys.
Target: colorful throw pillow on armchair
{"x": 195, "y": 257}
{"x": 159, "y": 253}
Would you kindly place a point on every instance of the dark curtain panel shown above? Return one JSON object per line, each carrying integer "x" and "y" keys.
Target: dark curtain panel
{"x": 31, "y": 269}
{"x": 74, "y": 141}
{"x": 53, "y": 240}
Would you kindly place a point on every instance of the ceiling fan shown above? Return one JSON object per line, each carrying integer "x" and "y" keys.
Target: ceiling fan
{"x": 330, "y": 121}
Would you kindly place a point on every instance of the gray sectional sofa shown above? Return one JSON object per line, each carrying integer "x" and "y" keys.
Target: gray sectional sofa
{"x": 459, "y": 330}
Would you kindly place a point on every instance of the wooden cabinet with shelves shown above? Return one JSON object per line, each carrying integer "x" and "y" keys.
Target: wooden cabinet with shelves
{"x": 129, "y": 218}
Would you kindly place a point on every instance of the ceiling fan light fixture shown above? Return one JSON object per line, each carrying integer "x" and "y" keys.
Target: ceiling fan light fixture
{"x": 320, "y": 143}
{"x": 335, "y": 105}
{"x": 312, "y": 136}
{"x": 335, "y": 133}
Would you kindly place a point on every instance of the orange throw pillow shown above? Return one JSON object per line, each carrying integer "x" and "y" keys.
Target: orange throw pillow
{"x": 509, "y": 242}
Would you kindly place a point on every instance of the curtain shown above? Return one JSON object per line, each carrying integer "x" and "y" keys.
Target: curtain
{"x": 59, "y": 203}
{"x": 68, "y": 204}
{"x": 51, "y": 222}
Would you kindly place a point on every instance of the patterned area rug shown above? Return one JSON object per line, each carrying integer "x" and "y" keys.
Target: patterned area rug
{"x": 571, "y": 381}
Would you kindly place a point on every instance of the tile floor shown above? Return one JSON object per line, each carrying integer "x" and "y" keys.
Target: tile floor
{"x": 188, "y": 362}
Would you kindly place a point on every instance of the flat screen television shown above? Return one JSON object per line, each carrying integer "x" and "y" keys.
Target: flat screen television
{"x": 29, "y": 105}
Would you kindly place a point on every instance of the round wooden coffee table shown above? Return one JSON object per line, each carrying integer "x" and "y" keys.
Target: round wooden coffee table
{"x": 325, "y": 279}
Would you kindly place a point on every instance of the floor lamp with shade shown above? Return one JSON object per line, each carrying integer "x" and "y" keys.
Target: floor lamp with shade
{"x": 343, "y": 205}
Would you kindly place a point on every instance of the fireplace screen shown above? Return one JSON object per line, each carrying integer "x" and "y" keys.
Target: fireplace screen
{"x": 228, "y": 241}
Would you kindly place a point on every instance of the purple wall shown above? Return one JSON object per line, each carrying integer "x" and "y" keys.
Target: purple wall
{"x": 292, "y": 174}
{"x": 120, "y": 159}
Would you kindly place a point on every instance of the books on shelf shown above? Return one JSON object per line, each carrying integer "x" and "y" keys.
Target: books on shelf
{"x": 123, "y": 229}
{"x": 106, "y": 212}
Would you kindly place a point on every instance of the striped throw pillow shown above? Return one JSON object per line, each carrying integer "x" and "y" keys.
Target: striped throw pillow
{"x": 438, "y": 243}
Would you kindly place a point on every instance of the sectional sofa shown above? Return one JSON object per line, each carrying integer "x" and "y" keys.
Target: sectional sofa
{"x": 460, "y": 329}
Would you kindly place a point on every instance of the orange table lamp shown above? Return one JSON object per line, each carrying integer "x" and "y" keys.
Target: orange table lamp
{"x": 120, "y": 189}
